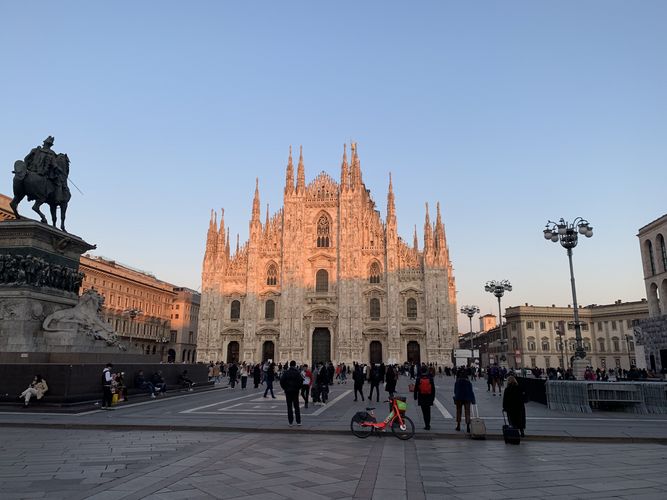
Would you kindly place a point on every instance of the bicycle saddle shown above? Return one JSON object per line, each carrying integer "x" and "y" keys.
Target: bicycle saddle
{"x": 369, "y": 409}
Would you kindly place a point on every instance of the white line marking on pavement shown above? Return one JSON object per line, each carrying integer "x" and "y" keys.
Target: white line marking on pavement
{"x": 192, "y": 410}
{"x": 442, "y": 409}
{"x": 233, "y": 406}
{"x": 329, "y": 405}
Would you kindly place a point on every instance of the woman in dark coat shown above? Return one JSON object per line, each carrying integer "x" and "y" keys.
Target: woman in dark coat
{"x": 358, "y": 377}
{"x": 425, "y": 398}
{"x": 256, "y": 375}
{"x": 390, "y": 377}
{"x": 513, "y": 405}
{"x": 464, "y": 398}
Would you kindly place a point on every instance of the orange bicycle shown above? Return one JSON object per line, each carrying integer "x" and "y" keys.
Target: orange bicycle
{"x": 364, "y": 423}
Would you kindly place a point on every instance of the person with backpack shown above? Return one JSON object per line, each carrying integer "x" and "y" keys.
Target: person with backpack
{"x": 358, "y": 378}
{"x": 464, "y": 396}
{"x": 425, "y": 395}
{"x": 291, "y": 382}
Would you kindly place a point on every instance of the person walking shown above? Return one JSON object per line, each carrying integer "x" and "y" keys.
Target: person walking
{"x": 307, "y": 376}
{"x": 358, "y": 378}
{"x": 233, "y": 374}
{"x": 256, "y": 375}
{"x": 375, "y": 383}
{"x": 270, "y": 376}
{"x": 244, "y": 376}
{"x": 425, "y": 395}
{"x": 322, "y": 382}
{"x": 513, "y": 405}
{"x": 107, "y": 378}
{"x": 37, "y": 388}
{"x": 464, "y": 396}
{"x": 291, "y": 382}
{"x": 390, "y": 378}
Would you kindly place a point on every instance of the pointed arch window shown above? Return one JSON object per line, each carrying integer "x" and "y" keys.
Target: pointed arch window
{"x": 235, "y": 311}
{"x": 412, "y": 308}
{"x": 323, "y": 232}
{"x": 374, "y": 273}
{"x": 269, "y": 309}
{"x": 375, "y": 308}
{"x": 663, "y": 251}
{"x": 272, "y": 275}
{"x": 322, "y": 281}
{"x": 649, "y": 250}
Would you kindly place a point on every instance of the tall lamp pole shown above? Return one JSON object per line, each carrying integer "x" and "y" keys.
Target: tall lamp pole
{"x": 132, "y": 313}
{"x": 568, "y": 235}
{"x": 498, "y": 289}
{"x": 470, "y": 311}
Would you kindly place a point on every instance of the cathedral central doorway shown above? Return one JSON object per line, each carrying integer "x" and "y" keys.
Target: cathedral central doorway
{"x": 233, "y": 352}
{"x": 375, "y": 350}
{"x": 321, "y": 346}
{"x": 268, "y": 350}
{"x": 413, "y": 352}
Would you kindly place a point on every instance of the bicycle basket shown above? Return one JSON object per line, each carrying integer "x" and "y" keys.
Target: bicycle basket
{"x": 362, "y": 416}
{"x": 401, "y": 403}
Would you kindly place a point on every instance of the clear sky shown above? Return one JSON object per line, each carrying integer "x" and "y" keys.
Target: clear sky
{"x": 507, "y": 112}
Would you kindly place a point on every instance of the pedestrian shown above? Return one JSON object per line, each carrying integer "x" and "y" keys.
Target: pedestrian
{"x": 358, "y": 378}
{"x": 513, "y": 405}
{"x": 424, "y": 393}
{"x": 270, "y": 376}
{"x": 464, "y": 396}
{"x": 233, "y": 374}
{"x": 291, "y": 382}
{"x": 322, "y": 382}
{"x": 375, "y": 383}
{"x": 256, "y": 375}
{"x": 107, "y": 378}
{"x": 390, "y": 378}
{"x": 37, "y": 388}
{"x": 307, "y": 382}
{"x": 244, "y": 375}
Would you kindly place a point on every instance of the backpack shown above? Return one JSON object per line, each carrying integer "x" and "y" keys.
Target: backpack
{"x": 424, "y": 385}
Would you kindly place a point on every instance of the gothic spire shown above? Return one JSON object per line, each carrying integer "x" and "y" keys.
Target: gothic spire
{"x": 428, "y": 231}
{"x": 344, "y": 170}
{"x": 211, "y": 235}
{"x": 439, "y": 230}
{"x": 267, "y": 217}
{"x": 300, "y": 174}
{"x": 237, "y": 243}
{"x": 227, "y": 244}
{"x": 355, "y": 170}
{"x": 255, "y": 202}
{"x": 221, "y": 232}
{"x": 415, "y": 242}
{"x": 289, "y": 175}
{"x": 391, "y": 208}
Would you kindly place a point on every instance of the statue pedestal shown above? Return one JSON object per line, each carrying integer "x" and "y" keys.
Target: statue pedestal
{"x": 579, "y": 368}
{"x": 39, "y": 274}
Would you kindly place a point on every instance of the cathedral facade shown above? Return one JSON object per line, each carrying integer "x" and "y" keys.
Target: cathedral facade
{"x": 326, "y": 279}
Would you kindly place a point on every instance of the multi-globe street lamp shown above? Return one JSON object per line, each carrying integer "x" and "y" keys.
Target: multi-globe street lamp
{"x": 132, "y": 313}
{"x": 561, "y": 336}
{"x": 498, "y": 289}
{"x": 568, "y": 235}
{"x": 470, "y": 311}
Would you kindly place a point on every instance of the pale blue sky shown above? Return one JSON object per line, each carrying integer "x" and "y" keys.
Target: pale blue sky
{"x": 509, "y": 113}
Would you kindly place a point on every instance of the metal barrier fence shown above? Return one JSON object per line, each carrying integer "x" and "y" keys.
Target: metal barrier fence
{"x": 583, "y": 396}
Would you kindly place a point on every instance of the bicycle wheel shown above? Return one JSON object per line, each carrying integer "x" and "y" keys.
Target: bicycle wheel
{"x": 405, "y": 432}
{"x": 361, "y": 431}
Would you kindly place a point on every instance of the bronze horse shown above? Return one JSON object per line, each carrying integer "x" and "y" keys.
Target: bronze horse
{"x": 54, "y": 192}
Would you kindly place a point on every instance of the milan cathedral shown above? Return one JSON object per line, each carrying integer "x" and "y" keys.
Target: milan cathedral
{"x": 325, "y": 279}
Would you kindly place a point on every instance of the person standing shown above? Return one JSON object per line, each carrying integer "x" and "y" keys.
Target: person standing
{"x": 270, "y": 376}
{"x": 322, "y": 382}
{"x": 244, "y": 376}
{"x": 107, "y": 378}
{"x": 256, "y": 375}
{"x": 513, "y": 405}
{"x": 375, "y": 383}
{"x": 464, "y": 396}
{"x": 291, "y": 382}
{"x": 37, "y": 388}
{"x": 307, "y": 376}
{"x": 358, "y": 378}
{"x": 390, "y": 377}
{"x": 233, "y": 374}
{"x": 425, "y": 395}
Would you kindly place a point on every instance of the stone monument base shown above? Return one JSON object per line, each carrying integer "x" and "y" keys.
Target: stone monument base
{"x": 579, "y": 368}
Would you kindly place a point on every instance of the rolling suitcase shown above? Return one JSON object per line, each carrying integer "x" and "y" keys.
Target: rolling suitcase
{"x": 477, "y": 425}
{"x": 510, "y": 434}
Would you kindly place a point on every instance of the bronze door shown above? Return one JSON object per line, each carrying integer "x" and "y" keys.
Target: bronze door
{"x": 413, "y": 352}
{"x": 233, "y": 352}
{"x": 268, "y": 351}
{"x": 376, "y": 352}
{"x": 321, "y": 346}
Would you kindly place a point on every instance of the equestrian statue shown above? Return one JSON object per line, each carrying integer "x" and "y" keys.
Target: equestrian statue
{"x": 42, "y": 177}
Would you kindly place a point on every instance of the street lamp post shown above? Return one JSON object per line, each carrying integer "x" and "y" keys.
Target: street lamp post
{"x": 132, "y": 313}
{"x": 561, "y": 334}
{"x": 470, "y": 311}
{"x": 568, "y": 235}
{"x": 498, "y": 288}
{"x": 628, "y": 338}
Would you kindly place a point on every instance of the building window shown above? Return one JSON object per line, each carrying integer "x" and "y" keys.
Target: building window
{"x": 178, "y": 306}
{"x": 269, "y": 309}
{"x": 172, "y": 336}
{"x": 631, "y": 344}
{"x": 175, "y": 316}
{"x": 570, "y": 326}
{"x": 584, "y": 327}
{"x": 543, "y": 325}
{"x": 547, "y": 361}
{"x": 235, "y": 312}
{"x": 628, "y": 323}
{"x": 191, "y": 337}
{"x": 375, "y": 308}
{"x": 515, "y": 344}
{"x": 530, "y": 325}
{"x": 322, "y": 281}
{"x": 531, "y": 345}
{"x": 663, "y": 251}
{"x": 412, "y": 308}
{"x": 323, "y": 232}
{"x": 617, "y": 345}
{"x": 601, "y": 342}
{"x": 533, "y": 362}
{"x": 649, "y": 250}
{"x": 272, "y": 275}
{"x": 514, "y": 327}
{"x": 545, "y": 345}
{"x": 617, "y": 362}
{"x": 374, "y": 273}
{"x": 587, "y": 344}
{"x": 603, "y": 363}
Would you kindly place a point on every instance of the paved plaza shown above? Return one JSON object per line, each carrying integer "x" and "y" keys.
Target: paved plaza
{"x": 225, "y": 443}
